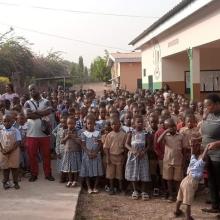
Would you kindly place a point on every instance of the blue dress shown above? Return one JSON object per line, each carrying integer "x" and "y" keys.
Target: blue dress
{"x": 137, "y": 169}
{"x": 91, "y": 167}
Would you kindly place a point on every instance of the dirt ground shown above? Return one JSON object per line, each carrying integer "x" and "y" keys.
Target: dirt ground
{"x": 105, "y": 207}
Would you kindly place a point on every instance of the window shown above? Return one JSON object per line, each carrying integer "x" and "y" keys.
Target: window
{"x": 144, "y": 73}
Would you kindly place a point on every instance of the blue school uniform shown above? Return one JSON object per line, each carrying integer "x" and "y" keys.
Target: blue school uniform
{"x": 91, "y": 167}
{"x": 137, "y": 169}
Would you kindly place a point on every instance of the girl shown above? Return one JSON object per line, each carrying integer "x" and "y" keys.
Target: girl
{"x": 137, "y": 166}
{"x": 71, "y": 161}
{"x": 58, "y": 133}
{"x": 127, "y": 123}
{"x": 10, "y": 139}
{"x": 91, "y": 160}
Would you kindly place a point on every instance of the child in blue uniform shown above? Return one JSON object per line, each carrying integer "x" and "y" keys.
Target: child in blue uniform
{"x": 91, "y": 159}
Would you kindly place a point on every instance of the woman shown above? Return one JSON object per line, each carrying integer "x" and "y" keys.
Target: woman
{"x": 210, "y": 129}
{"x": 10, "y": 93}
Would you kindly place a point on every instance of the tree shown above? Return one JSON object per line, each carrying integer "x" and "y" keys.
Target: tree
{"x": 99, "y": 69}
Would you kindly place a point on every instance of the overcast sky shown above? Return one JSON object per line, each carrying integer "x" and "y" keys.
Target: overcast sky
{"x": 112, "y": 31}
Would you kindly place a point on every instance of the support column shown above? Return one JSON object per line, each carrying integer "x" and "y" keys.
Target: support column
{"x": 194, "y": 59}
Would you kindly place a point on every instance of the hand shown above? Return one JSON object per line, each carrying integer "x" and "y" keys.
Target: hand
{"x": 212, "y": 146}
{"x": 4, "y": 152}
{"x": 59, "y": 156}
{"x": 168, "y": 130}
{"x": 108, "y": 161}
{"x": 134, "y": 151}
{"x": 141, "y": 154}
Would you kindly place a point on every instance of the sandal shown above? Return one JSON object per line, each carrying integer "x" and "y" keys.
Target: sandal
{"x": 95, "y": 190}
{"x": 90, "y": 191}
{"x": 178, "y": 213}
{"x": 74, "y": 184}
{"x": 135, "y": 195}
{"x": 69, "y": 184}
{"x": 145, "y": 196}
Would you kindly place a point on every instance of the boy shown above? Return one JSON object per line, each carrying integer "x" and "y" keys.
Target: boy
{"x": 173, "y": 157}
{"x": 190, "y": 183}
{"x": 114, "y": 148}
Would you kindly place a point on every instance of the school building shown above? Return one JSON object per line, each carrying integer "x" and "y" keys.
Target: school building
{"x": 125, "y": 70}
{"x": 182, "y": 49}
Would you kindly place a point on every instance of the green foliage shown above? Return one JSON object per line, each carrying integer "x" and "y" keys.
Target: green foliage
{"x": 99, "y": 69}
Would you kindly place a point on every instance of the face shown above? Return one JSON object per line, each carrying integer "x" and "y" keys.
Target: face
{"x": 122, "y": 104}
{"x": 138, "y": 123}
{"x": 171, "y": 125}
{"x": 71, "y": 123}
{"x": 116, "y": 125}
{"x": 190, "y": 122}
{"x": 153, "y": 123}
{"x": 7, "y": 121}
{"x": 135, "y": 111}
{"x": 128, "y": 119}
{"x": 161, "y": 123}
{"x": 21, "y": 119}
{"x": 209, "y": 105}
{"x": 102, "y": 113}
{"x": 90, "y": 124}
{"x": 8, "y": 88}
{"x": 34, "y": 93}
{"x": 63, "y": 122}
{"x": 200, "y": 107}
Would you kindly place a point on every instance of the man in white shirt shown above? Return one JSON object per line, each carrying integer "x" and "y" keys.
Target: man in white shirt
{"x": 36, "y": 109}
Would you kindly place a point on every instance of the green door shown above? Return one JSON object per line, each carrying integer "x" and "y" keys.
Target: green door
{"x": 150, "y": 82}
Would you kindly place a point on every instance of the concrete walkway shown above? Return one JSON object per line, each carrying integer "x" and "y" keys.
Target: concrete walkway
{"x": 41, "y": 200}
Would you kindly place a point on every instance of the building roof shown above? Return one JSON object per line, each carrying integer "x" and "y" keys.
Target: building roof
{"x": 126, "y": 57}
{"x": 169, "y": 14}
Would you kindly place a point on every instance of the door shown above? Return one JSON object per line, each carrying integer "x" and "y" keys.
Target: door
{"x": 150, "y": 82}
{"x": 139, "y": 83}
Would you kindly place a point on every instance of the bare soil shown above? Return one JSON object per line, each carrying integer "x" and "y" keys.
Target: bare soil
{"x": 105, "y": 207}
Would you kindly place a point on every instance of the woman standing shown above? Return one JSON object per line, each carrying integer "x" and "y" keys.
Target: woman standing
{"x": 10, "y": 93}
{"x": 210, "y": 129}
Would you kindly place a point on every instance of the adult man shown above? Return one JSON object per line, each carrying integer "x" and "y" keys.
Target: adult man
{"x": 37, "y": 141}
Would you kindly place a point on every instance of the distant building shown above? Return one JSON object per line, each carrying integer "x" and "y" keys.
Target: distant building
{"x": 182, "y": 49}
{"x": 125, "y": 70}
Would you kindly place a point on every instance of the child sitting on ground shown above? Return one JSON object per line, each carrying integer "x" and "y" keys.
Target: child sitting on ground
{"x": 190, "y": 183}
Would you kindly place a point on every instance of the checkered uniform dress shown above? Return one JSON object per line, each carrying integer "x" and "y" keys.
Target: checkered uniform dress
{"x": 91, "y": 167}
{"x": 137, "y": 169}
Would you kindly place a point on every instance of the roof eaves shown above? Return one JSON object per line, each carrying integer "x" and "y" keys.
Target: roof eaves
{"x": 161, "y": 20}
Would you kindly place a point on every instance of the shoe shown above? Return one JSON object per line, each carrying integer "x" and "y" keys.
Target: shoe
{"x": 111, "y": 192}
{"x": 90, "y": 191}
{"x": 6, "y": 185}
{"x": 74, "y": 184}
{"x": 50, "y": 178}
{"x": 171, "y": 199}
{"x": 69, "y": 184}
{"x": 95, "y": 191}
{"x": 156, "y": 192}
{"x": 16, "y": 186}
{"x": 32, "y": 178}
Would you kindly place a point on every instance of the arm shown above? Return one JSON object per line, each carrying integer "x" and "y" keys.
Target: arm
{"x": 161, "y": 138}
{"x": 128, "y": 142}
{"x": 214, "y": 145}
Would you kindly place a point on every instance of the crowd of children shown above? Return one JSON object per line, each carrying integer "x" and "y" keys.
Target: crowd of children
{"x": 144, "y": 138}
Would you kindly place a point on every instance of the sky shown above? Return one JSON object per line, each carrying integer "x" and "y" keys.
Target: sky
{"x": 40, "y": 26}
